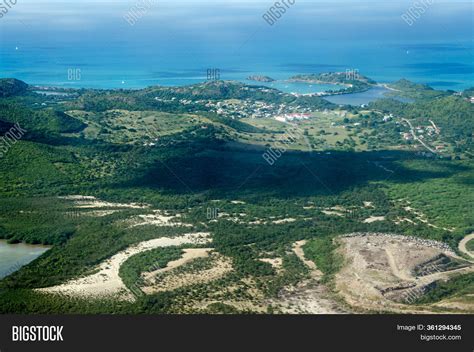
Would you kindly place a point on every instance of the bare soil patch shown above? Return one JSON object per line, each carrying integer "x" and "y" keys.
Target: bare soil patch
{"x": 386, "y": 272}
{"x": 105, "y": 280}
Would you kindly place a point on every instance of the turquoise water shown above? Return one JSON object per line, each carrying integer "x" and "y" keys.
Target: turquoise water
{"x": 358, "y": 98}
{"x": 14, "y": 256}
{"x": 175, "y": 43}
{"x": 296, "y": 87}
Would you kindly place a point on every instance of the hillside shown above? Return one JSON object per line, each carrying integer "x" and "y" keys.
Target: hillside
{"x": 248, "y": 210}
{"x": 333, "y": 77}
{"x": 407, "y": 89}
{"x": 10, "y": 87}
{"x": 353, "y": 81}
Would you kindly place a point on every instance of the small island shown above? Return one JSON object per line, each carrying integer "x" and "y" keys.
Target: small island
{"x": 352, "y": 81}
{"x": 259, "y": 78}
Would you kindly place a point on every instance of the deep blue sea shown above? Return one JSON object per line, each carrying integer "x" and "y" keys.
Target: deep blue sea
{"x": 90, "y": 44}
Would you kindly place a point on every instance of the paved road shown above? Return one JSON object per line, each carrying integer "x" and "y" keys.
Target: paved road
{"x": 415, "y": 137}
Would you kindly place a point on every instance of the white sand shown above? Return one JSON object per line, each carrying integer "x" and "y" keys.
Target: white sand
{"x": 89, "y": 202}
{"x": 329, "y": 212}
{"x": 276, "y": 263}
{"x": 105, "y": 281}
{"x": 172, "y": 281}
{"x": 284, "y": 221}
{"x": 374, "y": 219}
{"x": 298, "y": 250}
{"x": 157, "y": 219}
{"x": 188, "y": 255}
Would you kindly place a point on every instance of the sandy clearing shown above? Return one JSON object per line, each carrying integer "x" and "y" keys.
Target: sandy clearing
{"x": 298, "y": 250}
{"x": 105, "y": 281}
{"x": 77, "y": 197}
{"x": 189, "y": 254}
{"x": 400, "y": 220}
{"x": 276, "y": 263}
{"x": 284, "y": 221}
{"x": 374, "y": 219}
{"x": 173, "y": 280}
{"x": 157, "y": 219}
{"x": 308, "y": 296}
{"x": 463, "y": 245}
{"x": 97, "y": 204}
{"x": 99, "y": 213}
{"x": 257, "y": 222}
{"x": 330, "y": 212}
{"x": 90, "y": 202}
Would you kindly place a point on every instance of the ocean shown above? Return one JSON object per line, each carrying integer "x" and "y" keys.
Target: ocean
{"x": 90, "y": 44}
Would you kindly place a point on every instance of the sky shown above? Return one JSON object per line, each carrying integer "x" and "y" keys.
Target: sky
{"x": 222, "y": 21}
{"x": 70, "y": 15}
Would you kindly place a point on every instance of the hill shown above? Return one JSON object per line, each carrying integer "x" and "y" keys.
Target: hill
{"x": 353, "y": 82}
{"x": 11, "y": 87}
{"x": 407, "y": 89}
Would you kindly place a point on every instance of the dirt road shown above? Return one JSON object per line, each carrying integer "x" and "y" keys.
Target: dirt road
{"x": 463, "y": 245}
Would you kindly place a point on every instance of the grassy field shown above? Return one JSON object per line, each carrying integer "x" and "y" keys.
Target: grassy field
{"x": 322, "y": 131}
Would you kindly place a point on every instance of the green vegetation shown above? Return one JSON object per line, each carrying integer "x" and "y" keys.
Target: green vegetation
{"x": 148, "y": 261}
{"x": 39, "y": 122}
{"x": 259, "y": 78}
{"x": 354, "y": 82}
{"x": 221, "y": 308}
{"x": 406, "y": 89}
{"x": 468, "y": 93}
{"x": 322, "y": 252}
{"x": 463, "y": 284}
{"x": 452, "y": 114}
{"x": 470, "y": 246}
{"x": 11, "y": 86}
{"x": 178, "y": 156}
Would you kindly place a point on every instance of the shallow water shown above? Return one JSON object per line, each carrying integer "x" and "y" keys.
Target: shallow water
{"x": 363, "y": 98}
{"x": 14, "y": 256}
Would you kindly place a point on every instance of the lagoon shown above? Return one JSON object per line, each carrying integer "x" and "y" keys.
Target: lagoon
{"x": 366, "y": 97}
{"x": 14, "y": 256}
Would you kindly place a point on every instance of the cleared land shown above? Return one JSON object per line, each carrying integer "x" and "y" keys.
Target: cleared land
{"x": 105, "y": 280}
{"x": 308, "y": 296}
{"x": 389, "y": 272}
{"x": 180, "y": 273}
